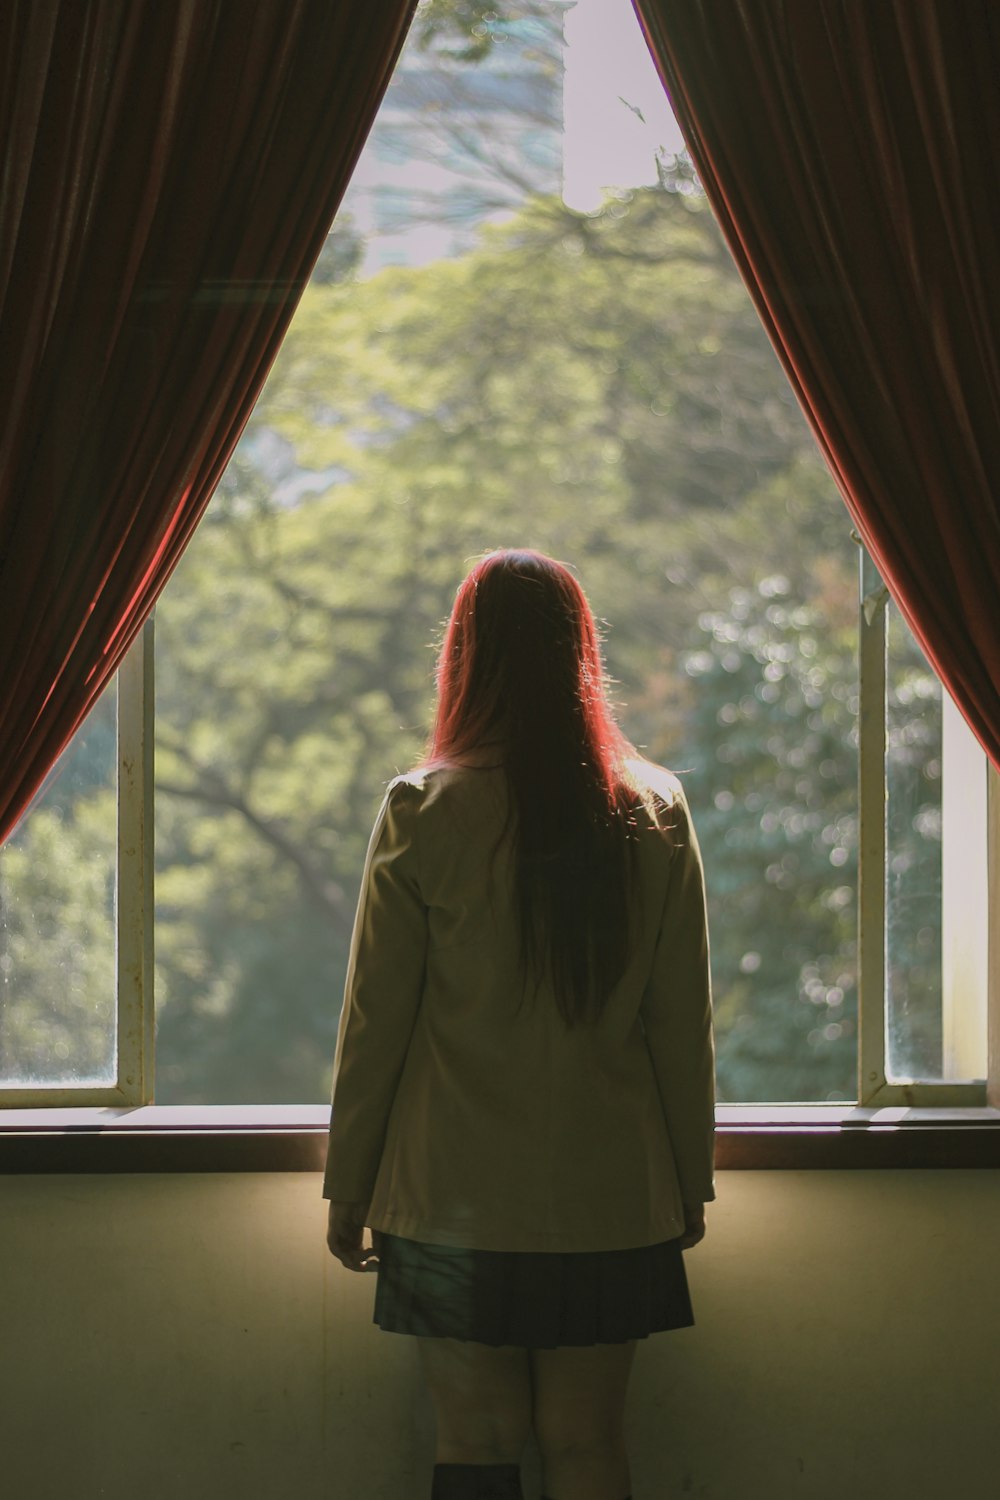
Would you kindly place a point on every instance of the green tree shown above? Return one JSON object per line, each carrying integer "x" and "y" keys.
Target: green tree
{"x": 594, "y": 385}
{"x": 598, "y": 387}
{"x": 57, "y": 903}
{"x": 470, "y": 31}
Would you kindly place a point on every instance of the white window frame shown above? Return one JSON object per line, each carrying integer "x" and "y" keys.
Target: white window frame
{"x": 133, "y": 1086}
{"x": 135, "y": 1016}
{"x": 875, "y": 1090}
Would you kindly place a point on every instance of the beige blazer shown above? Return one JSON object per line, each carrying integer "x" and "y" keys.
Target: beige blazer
{"x": 461, "y": 1123}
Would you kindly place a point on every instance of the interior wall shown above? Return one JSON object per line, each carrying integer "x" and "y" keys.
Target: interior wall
{"x": 186, "y": 1337}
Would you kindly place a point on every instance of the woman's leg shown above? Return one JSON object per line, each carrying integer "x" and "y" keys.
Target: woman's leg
{"x": 482, "y": 1400}
{"x": 579, "y": 1412}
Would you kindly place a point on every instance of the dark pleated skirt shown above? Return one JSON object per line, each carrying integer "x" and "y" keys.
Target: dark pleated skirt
{"x": 534, "y": 1299}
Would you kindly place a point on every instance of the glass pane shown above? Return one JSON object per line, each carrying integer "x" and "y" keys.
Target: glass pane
{"x": 935, "y": 875}
{"x": 511, "y": 338}
{"x": 57, "y": 920}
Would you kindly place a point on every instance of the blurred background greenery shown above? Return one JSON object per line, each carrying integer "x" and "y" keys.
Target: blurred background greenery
{"x": 592, "y": 383}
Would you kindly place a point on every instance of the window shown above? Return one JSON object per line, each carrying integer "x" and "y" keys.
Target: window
{"x": 924, "y": 930}
{"x": 572, "y": 364}
{"x": 76, "y": 1019}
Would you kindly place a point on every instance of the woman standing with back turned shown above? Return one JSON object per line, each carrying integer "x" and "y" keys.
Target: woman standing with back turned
{"x": 523, "y": 1088}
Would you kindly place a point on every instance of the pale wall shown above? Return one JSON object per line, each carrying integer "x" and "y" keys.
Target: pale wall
{"x": 188, "y": 1338}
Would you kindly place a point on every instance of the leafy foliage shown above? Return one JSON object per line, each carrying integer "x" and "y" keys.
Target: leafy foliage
{"x": 57, "y": 939}
{"x": 471, "y": 31}
{"x": 597, "y": 386}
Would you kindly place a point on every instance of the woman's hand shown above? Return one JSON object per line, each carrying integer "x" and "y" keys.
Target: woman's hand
{"x": 344, "y": 1234}
{"x": 694, "y": 1225}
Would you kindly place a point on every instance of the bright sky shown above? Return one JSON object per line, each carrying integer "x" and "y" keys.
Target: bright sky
{"x": 606, "y": 143}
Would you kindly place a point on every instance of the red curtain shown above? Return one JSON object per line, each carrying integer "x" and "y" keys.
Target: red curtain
{"x": 850, "y": 150}
{"x": 168, "y": 173}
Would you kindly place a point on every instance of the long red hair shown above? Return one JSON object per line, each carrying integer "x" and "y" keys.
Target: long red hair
{"x": 520, "y": 669}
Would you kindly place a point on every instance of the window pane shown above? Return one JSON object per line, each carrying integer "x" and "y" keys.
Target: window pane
{"x": 769, "y": 735}
{"x": 501, "y": 346}
{"x": 935, "y": 875}
{"x": 57, "y": 936}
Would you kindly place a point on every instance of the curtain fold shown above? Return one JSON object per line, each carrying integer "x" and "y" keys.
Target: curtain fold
{"x": 168, "y": 173}
{"x": 849, "y": 151}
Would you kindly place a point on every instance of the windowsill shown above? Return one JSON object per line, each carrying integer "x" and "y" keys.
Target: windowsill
{"x": 292, "y": 1138}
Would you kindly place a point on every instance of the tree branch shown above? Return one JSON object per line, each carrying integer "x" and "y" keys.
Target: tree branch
{"x": 327, "y": 895}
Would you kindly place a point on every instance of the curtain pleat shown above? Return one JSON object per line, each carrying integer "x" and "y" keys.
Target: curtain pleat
{"x": 849, "y": 151}
{"x": 168, "y": 173}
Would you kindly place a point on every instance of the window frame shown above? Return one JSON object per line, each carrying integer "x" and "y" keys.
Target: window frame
{"x": 119, "y": 1128}
{"x": 875, "y": 1091}
{"x": 270, "y": 1138}
{"x": 134, "y": 1008}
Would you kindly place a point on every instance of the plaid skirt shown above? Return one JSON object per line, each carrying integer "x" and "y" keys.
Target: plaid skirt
{"x": 534, "y": 1299}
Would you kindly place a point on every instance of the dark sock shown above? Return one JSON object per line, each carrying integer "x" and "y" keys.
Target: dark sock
{"x": 477, "y": 1482}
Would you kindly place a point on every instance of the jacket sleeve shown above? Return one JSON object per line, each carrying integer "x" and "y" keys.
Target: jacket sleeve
{"x": 385, "y": 978}
{"x": 677, "y": 1015}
